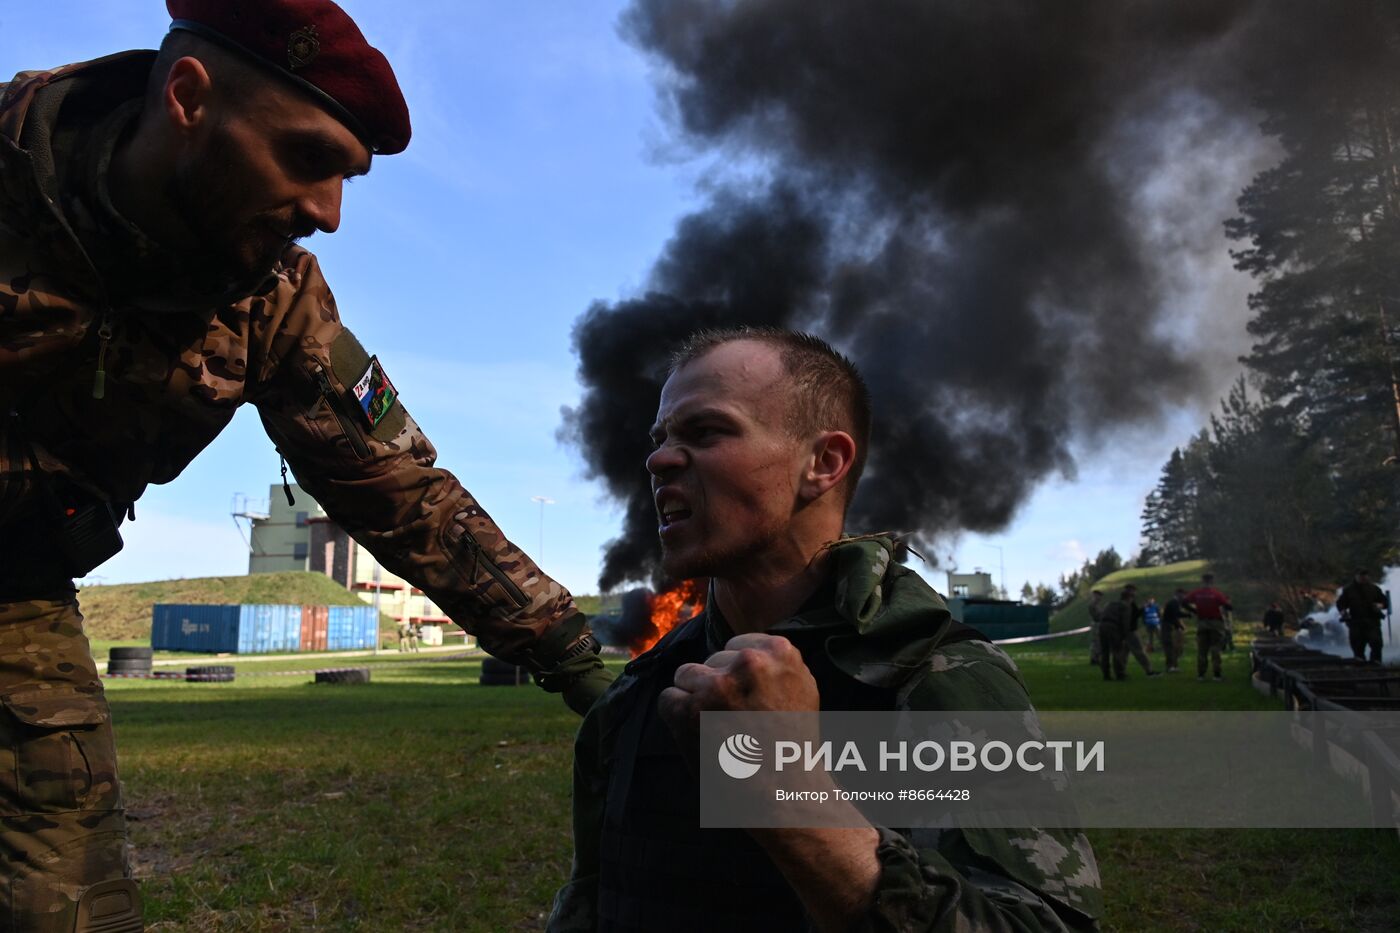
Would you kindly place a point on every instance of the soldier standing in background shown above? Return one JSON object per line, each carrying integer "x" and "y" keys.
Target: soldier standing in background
{"x": 1118, "y": 631}
{"x": 1174, "y": 629}
{"x": 1273, "y": 620}
{"x": 1362, "y": 605}
{"x": 150, "y": 284}
{"x": 1210, "y": 606}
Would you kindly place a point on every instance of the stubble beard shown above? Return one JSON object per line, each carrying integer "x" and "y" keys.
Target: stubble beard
{"x": 217, "y": 255}
{"x": 719, "y": 563}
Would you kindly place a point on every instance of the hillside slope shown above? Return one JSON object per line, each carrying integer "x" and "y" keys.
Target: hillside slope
{"x": 1250, "y": 599}
{"x": 122, "y": 611}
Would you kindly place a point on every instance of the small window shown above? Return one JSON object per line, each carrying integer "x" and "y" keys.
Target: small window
{"x": 302, "y": 519}
{"x": 300, "y": 549}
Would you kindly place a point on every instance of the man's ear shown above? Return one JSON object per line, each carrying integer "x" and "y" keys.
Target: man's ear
{"x": 188, "y": 95}
{"x": 833, "y": 453}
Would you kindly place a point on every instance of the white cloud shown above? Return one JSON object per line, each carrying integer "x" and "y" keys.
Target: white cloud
{"x": 1071, "y": 551}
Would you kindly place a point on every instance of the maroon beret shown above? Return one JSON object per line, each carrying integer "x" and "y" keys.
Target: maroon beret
{"x": 316, "y": 45}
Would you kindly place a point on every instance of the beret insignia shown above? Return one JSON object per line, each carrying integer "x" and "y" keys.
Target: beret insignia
{"x": 302, "y": 47}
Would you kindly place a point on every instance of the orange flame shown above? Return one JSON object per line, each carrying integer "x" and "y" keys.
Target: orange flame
{"x": 667, "y": 611}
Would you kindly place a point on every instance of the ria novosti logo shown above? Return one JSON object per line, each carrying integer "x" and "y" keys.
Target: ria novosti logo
{"x": 740, "y": 756}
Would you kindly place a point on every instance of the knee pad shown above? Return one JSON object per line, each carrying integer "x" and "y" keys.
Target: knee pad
{"x": 110, "y": 907}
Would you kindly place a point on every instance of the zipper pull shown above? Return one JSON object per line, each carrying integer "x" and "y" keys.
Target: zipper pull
{"x": 323, "y": 382}
{"x": 285, "y": 487}
{"x": 99, "y": 378}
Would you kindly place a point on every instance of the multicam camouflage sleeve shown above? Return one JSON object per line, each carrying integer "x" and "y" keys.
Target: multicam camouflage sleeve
{"x": 335, "y": 416}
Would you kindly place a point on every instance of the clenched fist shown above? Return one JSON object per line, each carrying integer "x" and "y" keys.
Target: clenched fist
{"x": 754, "y": 673}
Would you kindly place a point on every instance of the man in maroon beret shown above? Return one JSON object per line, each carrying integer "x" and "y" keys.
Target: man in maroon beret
{"x": 150, "y": 283}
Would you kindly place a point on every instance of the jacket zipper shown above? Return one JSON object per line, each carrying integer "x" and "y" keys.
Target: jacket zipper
{"x": 500, "y": 576}
{"x": 104, "y": 335}
{"x": 352, "y": 434}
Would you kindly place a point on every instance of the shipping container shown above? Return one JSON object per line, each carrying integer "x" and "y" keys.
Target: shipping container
{"x": 264, "y": 629}
{"x": 351, "y": 627}
{"x": 313, "y": 627}
{"x": 999, "y": 619}
{"x": 178, "y": 627}
{"x": 247, "y": 629}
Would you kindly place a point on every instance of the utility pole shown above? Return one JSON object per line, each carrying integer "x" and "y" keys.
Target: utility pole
{"x": 1002, "y": 555}
{"x": 377, "y": 590}
{"x": 543, "y": 501}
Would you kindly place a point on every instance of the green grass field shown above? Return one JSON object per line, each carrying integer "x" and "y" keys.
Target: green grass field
{"x": 423, "y": 801}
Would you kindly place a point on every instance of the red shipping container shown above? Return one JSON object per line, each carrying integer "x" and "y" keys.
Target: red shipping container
{"x": 314, "y": 626}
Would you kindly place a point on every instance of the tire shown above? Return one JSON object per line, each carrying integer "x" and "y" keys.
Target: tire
{"x": 343, "y": 675}
{"x": 124, "y": 666}
{"x": 130, "y": 653}
{"x": 210, "y": 674}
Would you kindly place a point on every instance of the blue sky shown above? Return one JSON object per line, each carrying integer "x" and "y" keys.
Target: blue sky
{"x": 541, "y": 177}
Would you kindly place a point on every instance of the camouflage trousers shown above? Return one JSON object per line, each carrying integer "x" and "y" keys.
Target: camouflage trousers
{"x": 1134, "y": 645}
{"x": 62, "y": 826}
{"x": 1209, "y": 641}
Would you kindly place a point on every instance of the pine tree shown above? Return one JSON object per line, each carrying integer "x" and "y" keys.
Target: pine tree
{"x": 1323, "y": 234}
{"x": 1170, "y": 524}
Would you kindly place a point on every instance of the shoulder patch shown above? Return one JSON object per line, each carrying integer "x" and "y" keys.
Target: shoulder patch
{"x": 368, "y": 386}
{"x": 374, "y": 392}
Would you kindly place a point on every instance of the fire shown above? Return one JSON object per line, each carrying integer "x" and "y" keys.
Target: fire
{"x": 668, "y": 610}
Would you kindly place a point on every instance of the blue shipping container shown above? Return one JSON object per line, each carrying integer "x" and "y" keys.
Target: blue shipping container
{"x": 180, "y": 627}
{"x": 351, "y": 627}
{"x": 248, "y": 629}
{"x": 262, "y": 629}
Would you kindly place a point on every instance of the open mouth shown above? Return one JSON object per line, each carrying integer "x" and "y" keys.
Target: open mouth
{"x": 672, "y": 515}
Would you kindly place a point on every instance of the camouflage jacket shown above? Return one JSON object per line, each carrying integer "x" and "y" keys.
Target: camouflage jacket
{"x": 884, "y": 631}
{"x": 77, "y": 284}
{"x": 1121, "y": 614}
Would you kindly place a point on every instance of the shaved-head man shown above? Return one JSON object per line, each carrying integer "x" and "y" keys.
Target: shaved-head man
{"x": 760, "y": 441}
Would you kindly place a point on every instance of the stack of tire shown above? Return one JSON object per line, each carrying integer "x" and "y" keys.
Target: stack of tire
{"x": 498, "y": 673}
{"x": 129, "y": 662}
{"x": 209, "y": 674}
{"x": 343, "y": 675}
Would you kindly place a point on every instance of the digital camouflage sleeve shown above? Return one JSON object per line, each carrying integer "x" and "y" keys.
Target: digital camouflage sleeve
{"x": 930, "y": 880}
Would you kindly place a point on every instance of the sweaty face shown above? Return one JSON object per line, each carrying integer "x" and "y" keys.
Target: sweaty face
{"x": 266, "y": 171}
{"x": 725, "y": 473}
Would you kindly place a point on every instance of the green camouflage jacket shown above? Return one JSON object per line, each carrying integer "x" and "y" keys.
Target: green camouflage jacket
{"x": 76, "y": 285}
{"x": 884, "y": 631}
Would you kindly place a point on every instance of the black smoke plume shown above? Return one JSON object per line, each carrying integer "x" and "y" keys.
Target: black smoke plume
{"x": 991, "y": 206}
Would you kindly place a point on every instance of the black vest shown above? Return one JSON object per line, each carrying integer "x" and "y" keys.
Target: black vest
{"x": 658, "y": 870}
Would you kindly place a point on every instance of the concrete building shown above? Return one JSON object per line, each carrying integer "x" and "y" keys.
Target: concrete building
{"x": 301, "y": 536}
{"x": 975, "y": 585}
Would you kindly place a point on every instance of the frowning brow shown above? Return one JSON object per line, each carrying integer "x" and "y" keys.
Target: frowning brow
{"x": 686, "y": 420}
{"x": 334, "y": 154}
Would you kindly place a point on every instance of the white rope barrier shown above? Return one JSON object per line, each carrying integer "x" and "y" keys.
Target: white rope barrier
{"x": 1029, "y": 638}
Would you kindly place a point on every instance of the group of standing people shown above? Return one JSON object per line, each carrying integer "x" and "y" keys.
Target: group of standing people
{"x": 1114, "y": 629}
